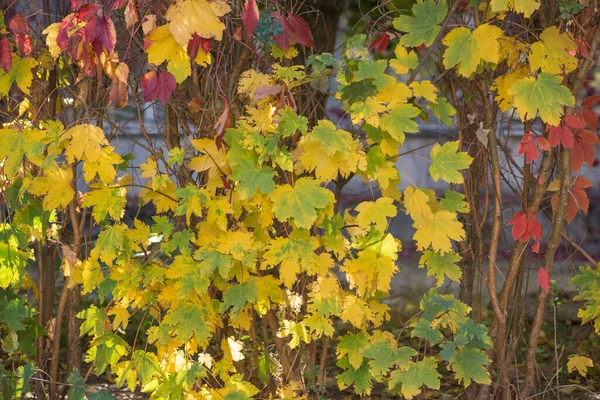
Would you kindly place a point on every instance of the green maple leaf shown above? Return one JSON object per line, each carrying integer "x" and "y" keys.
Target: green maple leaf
{"x": 94, "y": 321}
{"x": 12, "y": 312}
{"x": 252, "y": 178}
{"x": 332, "y": 140}
{"x": 236, "y": 396}
{"x": 358, "y": 91}
{"x": 300, "y": 202}
{"x": 106, "y": 201}
{"x": 421, "y": 373}
{"x": 360, "y": 378}
{"x": 440, "y": 266}
{"x": 442, "y": 110}
{"x": 475, "y": 334}
{"x": 290, "y": 122}
{"x": 212, "y": 260}
{"x": 423, "y": 329}
{"x": 100, "y": 395}
{"x": 110, "y": 242}
{"x": 77, "y": 386}
{"x": 106, "y": 350}
{"x": 353, "y": 346}
{"x": 467, "y": 49}
{"x": 469, "y": 364}
{"x": 447, "y": 162}
{"x": 375, "y": 71}
{"x": 383, "y": 357}
{"x": 545, "y": 94}
{"x": 238, "y": 295}
{"x": 400, "y": 120}
{"x": 454, "y": 202}
{"x": 146, "y": 365}
{"x": 188, "y": 321}
{"x": 190, "y": 202}
{"x": 424, "y": 26}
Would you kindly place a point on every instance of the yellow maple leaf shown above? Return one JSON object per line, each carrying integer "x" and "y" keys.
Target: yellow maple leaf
{"x": 356, "y": 311}
{"x": 149, "y": 169}
{"x": 196, "y": 16}
{"x": 121, "y": 314}
{"x": 579, "y": 363}
{"x": 218, "y": 209}
{"x": 104, "y": 166}
{"x": 552, "y": 52}
{"x": 376, "y": 212}
{"x": 163, "y": 198}
{"x": 165, "y": 48}
{"x": 438, "y": 232}
{"x": 425, "y": 89}
{"x": 415, "y": 202}
{"x": 251, "y": 80}
{"x": 52, "y": 32}
{"x": 395, "y": 93}
{"x": 84, "y": 139}
{"x": 55, "y": 186}
{"x": 503, "y": 83}
{"x": 404, "y": 60}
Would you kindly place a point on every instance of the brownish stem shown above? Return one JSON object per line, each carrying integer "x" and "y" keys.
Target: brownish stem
{"x": 323, "y": 362}
{"x": 552, "y": 245}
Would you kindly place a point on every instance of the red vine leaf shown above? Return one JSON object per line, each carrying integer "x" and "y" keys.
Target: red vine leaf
{"x": 529, "y": 148}
{"x": 543, "y": 143}
{"x": 24, "y": 43}
{"x": 578, "y": 200}
{"x": 525, "y": 227}
{"x": 590, "y": 101}
{"x": 295, "y": 29}
{"x": 193, "y": 46}
{"x": 18, "y": 25}
{"x": 574, "y": 122}
{"x": 380, "y": 43}
{"x": 583, "y": 150}
{"x": 5, "y": 55}
{"x": 560, "y": 135}
{"x": 106, "y": 34}
{"x": 250, "y": 17}
{"x": 118, "y": 93}
{"x": 130, "y": 14}
{"x": 221, "y": 125}
{"x": 544, "y": 279}
{"x": 158, "y": 86}
{"x": 590, "y": 118}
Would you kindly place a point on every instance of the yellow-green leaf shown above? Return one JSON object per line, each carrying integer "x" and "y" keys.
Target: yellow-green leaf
{"x": 467, "y": 49}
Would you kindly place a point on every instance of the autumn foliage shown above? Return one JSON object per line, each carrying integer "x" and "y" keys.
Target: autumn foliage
{"x": 250, "y": 278}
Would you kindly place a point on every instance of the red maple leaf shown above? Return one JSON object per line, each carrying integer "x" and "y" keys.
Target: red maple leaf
{"x": 525, "y": 227}
{"x": 529, "y": 148}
